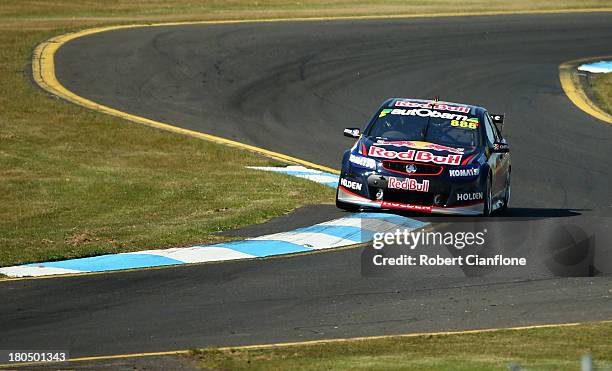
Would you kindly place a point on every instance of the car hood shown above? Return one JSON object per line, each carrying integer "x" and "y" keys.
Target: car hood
{"x": 365, "y": 147}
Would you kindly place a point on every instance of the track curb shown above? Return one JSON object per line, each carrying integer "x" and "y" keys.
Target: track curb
{"x": 573, "y": 88}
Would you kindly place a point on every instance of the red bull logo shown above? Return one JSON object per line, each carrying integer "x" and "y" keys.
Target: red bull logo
{"x": 408, "y": 184}
{"x": 411, "y": 154}
{"x": 421, "y": 145}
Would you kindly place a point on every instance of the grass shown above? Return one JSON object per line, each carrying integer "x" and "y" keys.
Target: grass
{"x": 77, "y": 13}
{"x": 19, "y": 9}
{"x": 77, "y": 183}
{"x": 601, "y": 85}
{"x": 556, "y": 348}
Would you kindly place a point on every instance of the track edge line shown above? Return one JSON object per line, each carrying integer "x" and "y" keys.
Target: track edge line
{"x": 572, "y": 88}
{"x": 43, "y": 72}
{"x": 316, "y": 342}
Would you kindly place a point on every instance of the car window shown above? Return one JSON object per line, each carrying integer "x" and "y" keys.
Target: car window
{"x": 489, "y": 131}
{"x": 496, "y": 131}
{"x": 447, "y": 128}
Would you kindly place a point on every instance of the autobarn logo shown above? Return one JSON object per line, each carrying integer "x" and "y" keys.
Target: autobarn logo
{"x": 408, "y": 184}
{"x": 464, "y": 172}
{"x": 350, "y": 184}
{"x": 438, "y": 106}
{"x": 413, "y": 155}
{"x": 473, "y": 196}
{"x": 423, "y": 112}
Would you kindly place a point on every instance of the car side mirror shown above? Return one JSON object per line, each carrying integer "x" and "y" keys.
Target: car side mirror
{"x": 501, "y": 147}
{"x": 352, "y": 132}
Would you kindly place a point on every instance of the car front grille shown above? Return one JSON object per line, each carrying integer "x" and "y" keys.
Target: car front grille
{"x": 421, "y": 169}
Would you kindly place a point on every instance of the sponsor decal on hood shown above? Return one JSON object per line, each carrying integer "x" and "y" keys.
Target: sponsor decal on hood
{"x": 413, "y": 155}
{"x": 420, "y": 145}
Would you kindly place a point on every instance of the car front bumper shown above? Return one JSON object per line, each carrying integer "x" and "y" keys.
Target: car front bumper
{"x": 346, "y": 196}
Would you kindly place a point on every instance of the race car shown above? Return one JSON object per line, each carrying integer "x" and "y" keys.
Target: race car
{"x": 427, "y": 156}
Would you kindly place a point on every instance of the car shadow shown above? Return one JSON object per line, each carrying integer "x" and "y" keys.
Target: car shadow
{"x": 515, "y": 213}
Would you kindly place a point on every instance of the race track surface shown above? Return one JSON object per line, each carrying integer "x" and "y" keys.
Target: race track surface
{"x": 291, "y": 88}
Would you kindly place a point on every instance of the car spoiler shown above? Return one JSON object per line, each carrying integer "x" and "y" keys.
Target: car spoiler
{"x": 498, "y": 118}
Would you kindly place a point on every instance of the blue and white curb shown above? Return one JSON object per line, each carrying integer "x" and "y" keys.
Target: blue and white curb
{"x": 351, "y": 230}
{"x": 329, "y": 179}
{"x": 597, "y": 67}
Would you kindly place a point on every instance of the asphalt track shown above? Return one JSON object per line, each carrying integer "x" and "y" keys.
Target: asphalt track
{"x": 291, "y": 88}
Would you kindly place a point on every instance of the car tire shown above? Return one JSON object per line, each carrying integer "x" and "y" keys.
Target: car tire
{"x": 487, "y": 207}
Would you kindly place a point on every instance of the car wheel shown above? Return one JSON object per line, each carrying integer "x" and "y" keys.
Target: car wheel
{"x": 487, "y": 207}
{"x": 346, "y": 206}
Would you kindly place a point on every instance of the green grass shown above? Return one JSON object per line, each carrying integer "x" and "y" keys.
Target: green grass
{"x": 558, "y": 348}
{"x": 77, "y": 183}
{"x": 54, "y": 13}
{"x": 601, "y": 85}
{"x": 144, "y": 8}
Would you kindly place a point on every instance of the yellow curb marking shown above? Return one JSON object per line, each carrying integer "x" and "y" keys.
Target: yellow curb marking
{"x": 570, "y": 82}
{"x": 43, "y": 66}
{"x": 316, "y": 342}
{"x": 43, "y": 70}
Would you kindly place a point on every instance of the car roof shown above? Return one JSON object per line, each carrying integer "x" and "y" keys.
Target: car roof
{"x": 391, "y": 103}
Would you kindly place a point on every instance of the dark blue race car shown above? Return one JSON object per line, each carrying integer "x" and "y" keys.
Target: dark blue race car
{"x": 427, "y": 156}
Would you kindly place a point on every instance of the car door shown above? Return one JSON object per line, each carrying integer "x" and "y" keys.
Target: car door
{"x": 496, "y": 160}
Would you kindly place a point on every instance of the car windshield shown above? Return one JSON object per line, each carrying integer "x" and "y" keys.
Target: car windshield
{"x": 453, "y": 129}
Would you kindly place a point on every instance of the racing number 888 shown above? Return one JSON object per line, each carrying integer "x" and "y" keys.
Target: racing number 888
{"x": 464, "y": 124}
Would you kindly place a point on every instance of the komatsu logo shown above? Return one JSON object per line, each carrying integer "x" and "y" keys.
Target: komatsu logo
{"x": 464, "y": 172}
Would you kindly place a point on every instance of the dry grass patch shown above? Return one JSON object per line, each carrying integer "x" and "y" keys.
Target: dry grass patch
{"x": 602, "y": 89}
{"x": 534, "y": 349}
